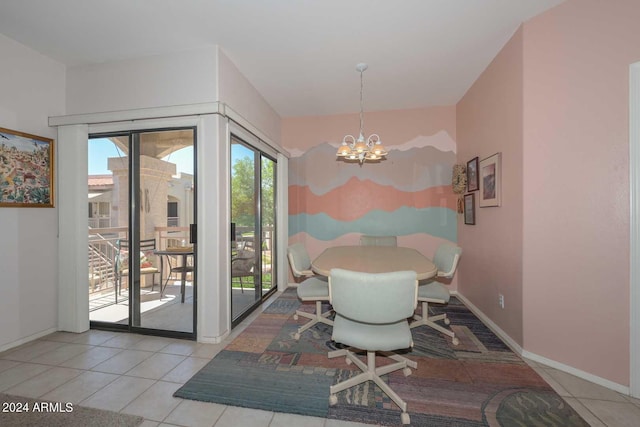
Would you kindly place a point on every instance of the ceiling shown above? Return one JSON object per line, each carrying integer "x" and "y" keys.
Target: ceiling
{"x": 299, "y": 54}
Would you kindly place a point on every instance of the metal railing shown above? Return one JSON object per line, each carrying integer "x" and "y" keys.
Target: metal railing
{"x": 102, "y": 256}
{"x": 103, "y": 251}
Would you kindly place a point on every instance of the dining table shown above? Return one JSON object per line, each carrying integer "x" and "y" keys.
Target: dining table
{"x": 374, "y": 259}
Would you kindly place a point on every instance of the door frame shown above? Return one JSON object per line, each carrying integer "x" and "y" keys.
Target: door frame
{"x": 134, "y": 228}
{"x": 634, "y": 260}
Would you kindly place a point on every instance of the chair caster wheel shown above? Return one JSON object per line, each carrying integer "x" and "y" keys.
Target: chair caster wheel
{"x": 406, "y": 372}
{"x": 296, "y": 336}
{"x": 333, "y": 399}
{"x": 405, "y": 418}
{"x": 295, "y": 317}
{"x": 447, "y": 321}
{"x": 455, "y": 341}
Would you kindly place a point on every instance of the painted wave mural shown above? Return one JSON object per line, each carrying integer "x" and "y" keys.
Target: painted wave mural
{"x": 439, "y": 222}
{"x": 407, "y": 195}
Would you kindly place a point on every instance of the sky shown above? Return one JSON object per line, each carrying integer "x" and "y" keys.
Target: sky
{"x": 100, "y": 149}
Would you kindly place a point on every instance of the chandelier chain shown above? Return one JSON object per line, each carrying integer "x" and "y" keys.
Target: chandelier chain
{"x": 361, "y": 102}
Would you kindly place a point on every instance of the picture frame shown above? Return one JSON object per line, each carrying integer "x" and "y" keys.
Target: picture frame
{"x": 470, "y": 209}
{"x": 26, "y": 170}
{"x": 490, "y": 175}
{"x": 472, "y": 175}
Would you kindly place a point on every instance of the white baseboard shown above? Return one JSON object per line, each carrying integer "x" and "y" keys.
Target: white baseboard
{"x": 25, "y": 340}
{"x": 514, "y": 346}
{"x": 577, "y": 372}
{"x": 537, "y": 358}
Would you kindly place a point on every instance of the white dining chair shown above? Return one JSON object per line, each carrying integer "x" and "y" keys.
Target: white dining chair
{"x": 312, "y": 288}
{"x": 366, "y": 240}
{"x": 446, "y": 260}
{"x": 371, "y": 315}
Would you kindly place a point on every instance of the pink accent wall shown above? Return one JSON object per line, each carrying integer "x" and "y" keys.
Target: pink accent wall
{"x": 415, "y": 177}
{"x": 489, "y": 120}
{"x": 303, "y": 133}
{"x": 555, "y": 101}
{"x": 576, "y": 184}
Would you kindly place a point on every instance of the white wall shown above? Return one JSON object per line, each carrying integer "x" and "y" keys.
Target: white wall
{"x": 32, "y": 88}
{"x": 192, "y": 77}
{"x": 239, "y": 94}
{"x": 154, "y": 81}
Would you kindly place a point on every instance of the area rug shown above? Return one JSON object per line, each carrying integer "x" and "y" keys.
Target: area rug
{"x": 22, "y": 411}
{"x": 479, "y": 382}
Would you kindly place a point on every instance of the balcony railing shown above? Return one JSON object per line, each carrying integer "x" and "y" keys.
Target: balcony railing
{"x": 103, "y": 251}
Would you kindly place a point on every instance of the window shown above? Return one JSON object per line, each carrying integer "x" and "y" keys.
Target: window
{"x": 172, "y": 214}
{"x": 99, "y": 214}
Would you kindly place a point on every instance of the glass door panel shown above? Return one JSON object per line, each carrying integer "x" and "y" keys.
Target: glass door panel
{"x": 268, "y": 218}
{"x": 108, "y": 201}
{"x": 167, "y": 270}
{"x": 245, "y": 256}
{"x": 253, "y": 227}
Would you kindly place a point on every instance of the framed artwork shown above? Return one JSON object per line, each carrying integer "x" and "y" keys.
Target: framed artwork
{"x": 472, "y": 174}
{"x": 469, "y": 209}
{"x": 26, "y": 170}
{"x": 490, "y": 177}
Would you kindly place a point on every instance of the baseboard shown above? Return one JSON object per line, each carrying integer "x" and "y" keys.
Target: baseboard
{"x": 25, "y": 340}
{"x": 577, "y": 372}
{"x": 537, "y": 358}
{"x": 514, "y": 346}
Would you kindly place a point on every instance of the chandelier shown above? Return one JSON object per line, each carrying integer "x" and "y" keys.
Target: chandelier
{"x": 361, "y": 150}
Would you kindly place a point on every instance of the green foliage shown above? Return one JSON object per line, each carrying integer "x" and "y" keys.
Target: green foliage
{"x": 243, "y": 192}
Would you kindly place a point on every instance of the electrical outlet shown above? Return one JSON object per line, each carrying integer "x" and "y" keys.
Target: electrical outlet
{"x": 501, "y": 300}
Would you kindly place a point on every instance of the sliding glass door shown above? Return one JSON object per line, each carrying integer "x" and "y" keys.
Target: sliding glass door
{"x": 142, "y": 272}
{"x": 253, "y": 227}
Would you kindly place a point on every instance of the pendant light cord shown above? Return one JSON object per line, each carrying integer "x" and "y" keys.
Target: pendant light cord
{"x": 361, "y": 104}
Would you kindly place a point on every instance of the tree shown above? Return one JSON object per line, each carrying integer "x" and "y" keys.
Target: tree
{"x": 243, "y": 193}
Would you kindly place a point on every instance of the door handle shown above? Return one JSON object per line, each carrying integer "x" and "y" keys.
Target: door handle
{"x": 193, "y": 232}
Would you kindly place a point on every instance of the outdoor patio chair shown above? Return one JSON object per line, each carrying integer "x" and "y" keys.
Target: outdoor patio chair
{"x": 148, "y": 262}
{"x": 243, "y": 265}
{"x": 371, "y": 315}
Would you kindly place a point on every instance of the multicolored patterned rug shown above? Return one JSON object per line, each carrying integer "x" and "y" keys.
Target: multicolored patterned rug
{"x": 479, "y": 382}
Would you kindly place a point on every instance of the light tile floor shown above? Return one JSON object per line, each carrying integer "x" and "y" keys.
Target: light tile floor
{"x": 138, "y": 374}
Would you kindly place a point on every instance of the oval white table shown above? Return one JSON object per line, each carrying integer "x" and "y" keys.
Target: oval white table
{"x": 374, "y": 259}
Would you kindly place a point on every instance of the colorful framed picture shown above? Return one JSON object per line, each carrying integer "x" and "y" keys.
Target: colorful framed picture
{"x": 26, "y": 170}
{"x": 490, "y": 181}
{"x": 469, "y": 209}
{"x": 472, "y": 174}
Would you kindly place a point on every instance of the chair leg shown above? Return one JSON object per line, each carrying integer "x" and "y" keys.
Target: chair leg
{"x": 371, "y": 373}
{"x": 317, "y": 317}
{"x": 425, "y": 320}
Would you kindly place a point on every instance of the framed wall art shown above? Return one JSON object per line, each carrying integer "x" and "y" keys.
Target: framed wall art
{"x": 472, "y": 174}
{"x": 490, "y": 181}
{"x": 26, "y": 170}
{"x": 469, "y": 209}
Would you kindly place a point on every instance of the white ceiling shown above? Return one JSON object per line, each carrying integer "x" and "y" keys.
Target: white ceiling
{"x": 299, "y": 54}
